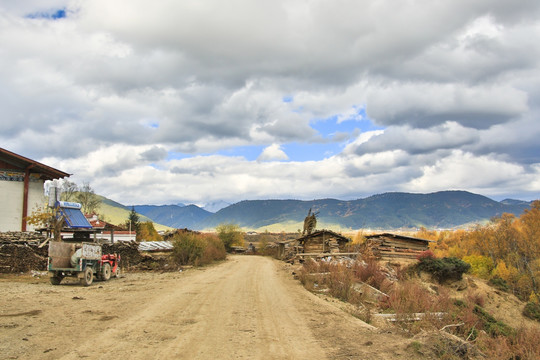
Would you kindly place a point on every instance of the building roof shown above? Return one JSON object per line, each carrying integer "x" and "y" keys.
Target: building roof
{"x": 101, "y": 224}
{"x": 397, "y": 236}
{"x": 323, "y": 232}
{"x": 12, "y": 161}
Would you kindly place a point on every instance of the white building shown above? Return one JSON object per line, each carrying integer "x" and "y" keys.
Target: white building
{"x": 21, "y": 189}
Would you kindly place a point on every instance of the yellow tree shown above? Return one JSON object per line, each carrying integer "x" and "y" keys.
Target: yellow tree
{"x": 230, "y": 235}
{"x": 528, "y": 244}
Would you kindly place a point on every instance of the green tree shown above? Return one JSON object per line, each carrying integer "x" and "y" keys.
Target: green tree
{"x": 133, "y": 222}
{"x": 231, "y": 235}
{"x": 88, "y": 199}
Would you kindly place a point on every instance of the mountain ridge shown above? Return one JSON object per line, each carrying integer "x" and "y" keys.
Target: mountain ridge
{"x": 392, "y": 210}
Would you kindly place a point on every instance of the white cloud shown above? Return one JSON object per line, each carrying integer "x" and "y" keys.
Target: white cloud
{"x": 272, "y": 152}
{"x": 111, "y": 92}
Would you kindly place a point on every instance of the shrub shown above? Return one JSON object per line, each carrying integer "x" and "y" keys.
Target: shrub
{"x": 426, "y": 254}
{"x": 230, "y": 235}
{"x": 197, "y": 249}
{"x": 532, "y": 311}
{"x": 491, "y": 325}
{"x": 213, "y": 251}
{"x": 370, "y": 273}
{"x": 476, "y": 298}
{"x": 448, "y": 268}
{"x": 499, "y": 283}
{"x": 340, "y": 282}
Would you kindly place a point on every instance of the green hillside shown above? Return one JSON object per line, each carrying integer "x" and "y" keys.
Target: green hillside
{"x": 117, "y": 214}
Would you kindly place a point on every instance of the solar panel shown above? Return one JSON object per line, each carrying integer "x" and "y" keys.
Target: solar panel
{"x": 74, "y": 217}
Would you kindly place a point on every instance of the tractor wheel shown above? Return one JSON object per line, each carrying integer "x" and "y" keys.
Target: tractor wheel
{"x": 88, "y": 277}
{"x": 106, "y": 272}
{"x": 55, "y": 280}
{"x": 117, "y": 273}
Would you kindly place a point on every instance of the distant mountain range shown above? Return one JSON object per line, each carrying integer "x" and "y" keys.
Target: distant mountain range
{"x": 445, "y": 209}
{"x": 175, "y": 216}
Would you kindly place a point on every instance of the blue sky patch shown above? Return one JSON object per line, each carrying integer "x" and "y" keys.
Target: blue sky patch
{"x": 329, "y": 127}
{"x": 288, "y": 99}
{"x": 311, "y": 152}
{"x": 53, "y": 14}
{"x": 251, "y": 153}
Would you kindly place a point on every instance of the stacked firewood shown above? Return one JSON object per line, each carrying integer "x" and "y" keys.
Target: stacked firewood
{"x": 20, "y": 252}
{"x": 128, "y": 251}
{"x": 385, "y": 247}
{"x": 20, "y": 237}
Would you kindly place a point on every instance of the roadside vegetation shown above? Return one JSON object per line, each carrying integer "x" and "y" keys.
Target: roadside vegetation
{"x": 505, "y": 252}
{"x": 231, "y": 235}
{"x": 197, "y": 249}
{"x": 431, "y": 302}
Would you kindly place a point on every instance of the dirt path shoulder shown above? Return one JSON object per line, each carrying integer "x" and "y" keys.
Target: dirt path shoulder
{"x": 247, "y": 307}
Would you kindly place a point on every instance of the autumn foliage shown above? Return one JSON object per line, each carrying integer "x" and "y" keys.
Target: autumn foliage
{"x": 505, "y": 251}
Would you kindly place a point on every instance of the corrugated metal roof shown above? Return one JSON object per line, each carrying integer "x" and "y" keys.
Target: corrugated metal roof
{"x": 74, "y": 218}
{"x": 155, "y": 245}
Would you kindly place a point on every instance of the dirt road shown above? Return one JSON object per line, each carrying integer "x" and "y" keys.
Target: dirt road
{"x": 247, "y": 307}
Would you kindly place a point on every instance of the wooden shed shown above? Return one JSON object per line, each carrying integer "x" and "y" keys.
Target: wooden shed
{"x": 323, "y": 241}
{"x": 395, "y": 246}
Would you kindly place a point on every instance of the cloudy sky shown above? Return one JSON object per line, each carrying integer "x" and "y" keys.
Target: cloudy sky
{"x": 196, "y": 101}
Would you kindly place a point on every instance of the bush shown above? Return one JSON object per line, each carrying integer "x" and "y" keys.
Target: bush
{"x": 231, "y": 235}
{"x": 371, "y": 273}
{"x": 425, "y": 254}
{"x": 493, "y": 327}
{"x": 448, "y": 268}
{"x": 499, "y": 283}
{"x": 523, "y": 344}
{"x": 532, "y": 311}
{"x": 197, "y": 249}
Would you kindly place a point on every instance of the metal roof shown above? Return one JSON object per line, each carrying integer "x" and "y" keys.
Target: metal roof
{"x": 155, "y": 246}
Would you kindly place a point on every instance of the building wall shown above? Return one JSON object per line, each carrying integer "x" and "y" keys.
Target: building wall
{"x": 11, "y": 203}
{"x": 118, "y": 236}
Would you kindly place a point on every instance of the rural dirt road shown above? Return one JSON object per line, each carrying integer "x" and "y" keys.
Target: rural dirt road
{"x": 247, "y": 307}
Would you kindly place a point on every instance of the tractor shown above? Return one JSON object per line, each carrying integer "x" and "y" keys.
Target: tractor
{"x": 77, "y": 256}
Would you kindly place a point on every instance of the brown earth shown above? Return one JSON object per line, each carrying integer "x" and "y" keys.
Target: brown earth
{"x": 247, "y": 307}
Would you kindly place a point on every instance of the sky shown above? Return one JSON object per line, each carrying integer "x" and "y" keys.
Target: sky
{"x": 199, "y": 101}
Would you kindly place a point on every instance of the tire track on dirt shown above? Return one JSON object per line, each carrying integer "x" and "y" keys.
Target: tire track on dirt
{"x": 237, "y": 310}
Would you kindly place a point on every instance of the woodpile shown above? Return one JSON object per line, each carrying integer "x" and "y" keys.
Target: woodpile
{"x": 395, "y": 246}
{"x": 19, "y": 237}
{"x": 20, "y": 252}
{"x": 128, "y": 251}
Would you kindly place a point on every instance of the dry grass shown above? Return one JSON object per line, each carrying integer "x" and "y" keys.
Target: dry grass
{"x": 466, "y": 319}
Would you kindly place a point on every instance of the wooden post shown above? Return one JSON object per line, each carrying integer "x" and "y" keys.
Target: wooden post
{"x": 25, "y": 197}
